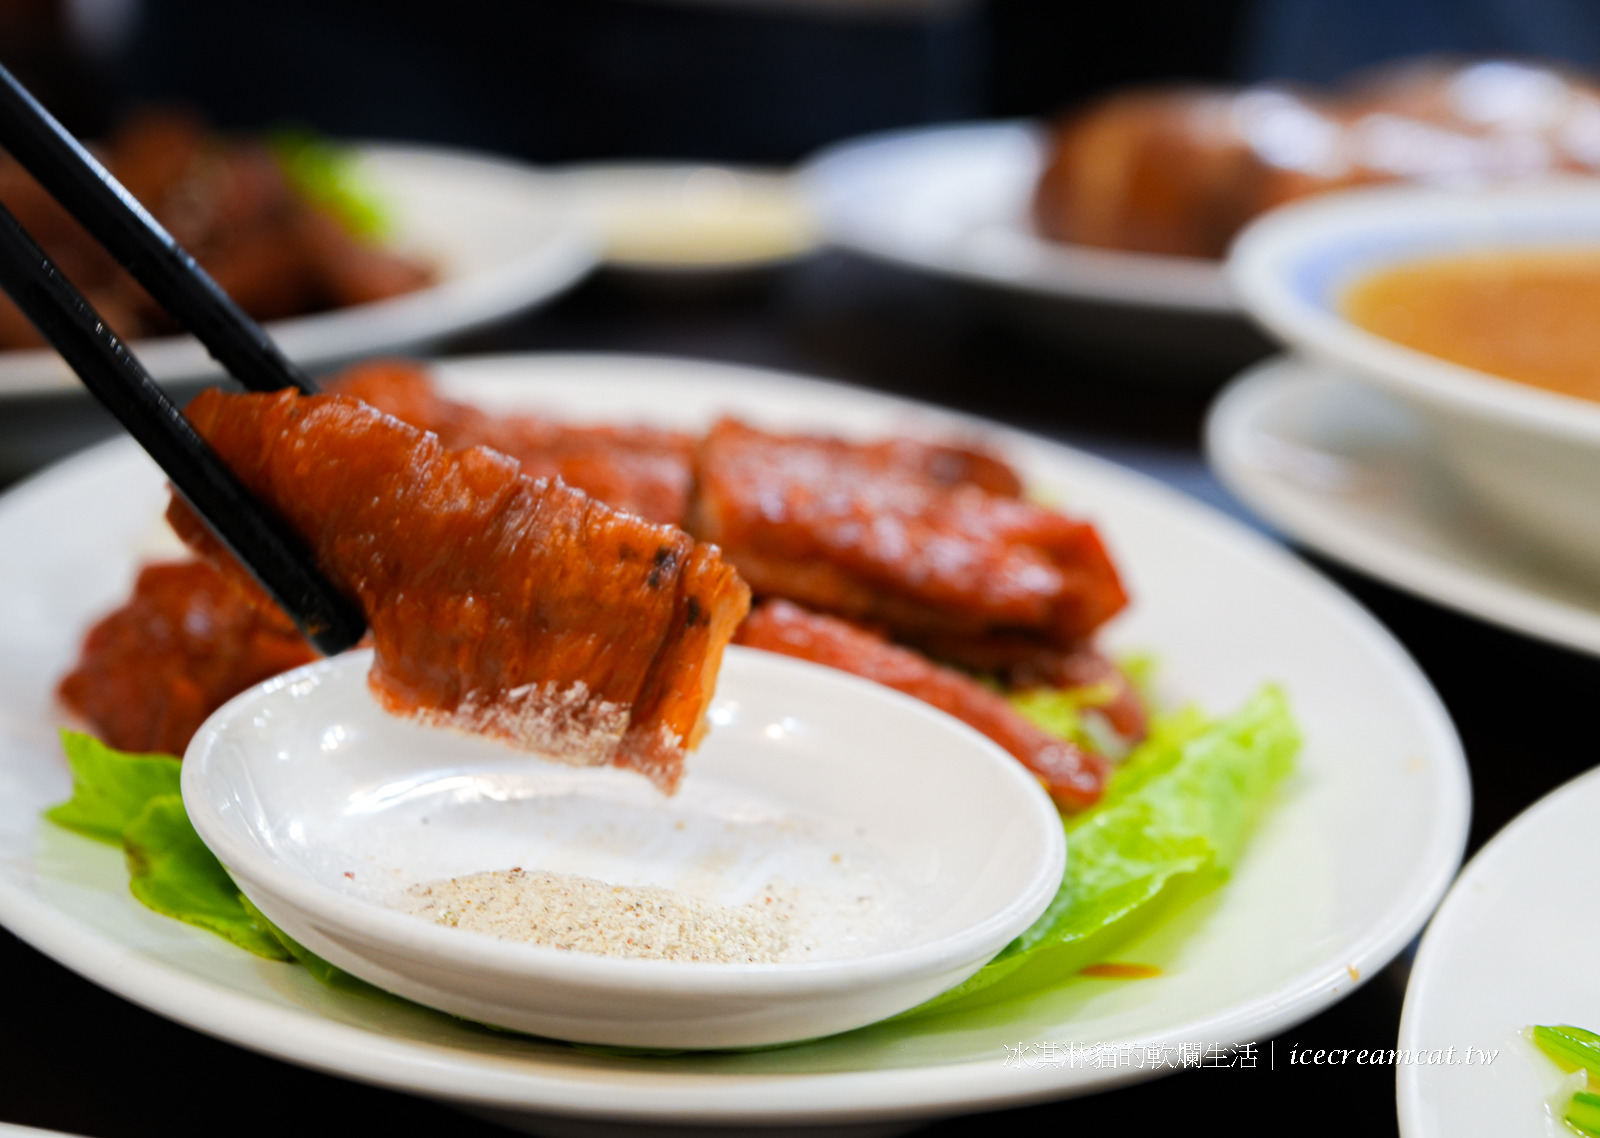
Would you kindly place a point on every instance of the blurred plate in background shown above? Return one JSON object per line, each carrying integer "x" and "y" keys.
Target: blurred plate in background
{"x": 1512, "y": 946}
{"x": 654, "y": 217}
{"x": 1352, "y": 474}
{"x": 956, "y": 201}
{"x": 1526, "y": 453}
{"x": 500, "y": 236}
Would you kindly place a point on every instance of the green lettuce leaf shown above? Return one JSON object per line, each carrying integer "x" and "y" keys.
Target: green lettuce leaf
{"x": 327, "y": 177}
{"x": 1583, "y": 1114}
{"x": 1139, "y": 669}
{"x": 172, "y": 872}
{"x": 1572, "y": 1048}
{"x": 1575, "y": 1049}
{"x": 324, "y": 973}
{"x": 134, "y": 801}
{"x": 1171, "y": 826}
{"x": 110, "y": 788}
{"x": 1060, "y": 711}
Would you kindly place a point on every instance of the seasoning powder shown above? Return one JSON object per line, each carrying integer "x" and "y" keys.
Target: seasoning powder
{"x": 584, "y": 915}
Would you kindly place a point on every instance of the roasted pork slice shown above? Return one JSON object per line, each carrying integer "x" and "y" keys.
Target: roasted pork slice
{"x": 187, "y": 641}
{"x": 895, "y": 534}
{"x": 1022, "y": 662}
{"x": 644, "y": 470}
{"x": 1075, "y": 778}
{"x": 501, "y": 604}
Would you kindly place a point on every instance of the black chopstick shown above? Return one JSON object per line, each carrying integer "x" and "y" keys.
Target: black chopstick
{"x": 261, "y": 540}
{"x": 272, "y": 552}
{"x": 117, "y": 221}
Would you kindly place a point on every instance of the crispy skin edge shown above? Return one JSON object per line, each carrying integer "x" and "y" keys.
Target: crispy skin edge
{"x": 710, "y": 601}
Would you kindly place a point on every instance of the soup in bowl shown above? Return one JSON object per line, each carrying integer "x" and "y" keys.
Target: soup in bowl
{"x": 1474, "y": 309}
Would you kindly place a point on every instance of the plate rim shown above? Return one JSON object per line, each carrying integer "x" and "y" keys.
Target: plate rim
{"x": 1409, "y": 1097}
{"x": 1470, "y": 592}
{"x": 927, "y": 1091}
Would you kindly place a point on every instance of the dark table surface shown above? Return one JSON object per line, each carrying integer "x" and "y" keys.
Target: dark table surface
{"x": 75, "y": 1058}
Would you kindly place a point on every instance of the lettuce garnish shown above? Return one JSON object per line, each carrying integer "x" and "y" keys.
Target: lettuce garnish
{"x": 327, "y": 177}
{"x": 1060, "y": 712}
{"x": 172, "y": 872}
{"x": 133, "y": 801}
{"x": 110, "y": 788}
{"x": 1575, "y": 1049}
{"x": 1171, "y": 826}
{"x": 1583, "y": 1113}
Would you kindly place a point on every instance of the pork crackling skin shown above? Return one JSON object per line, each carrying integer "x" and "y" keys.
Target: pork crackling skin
{"x": 514, "y": 607}
{"x": 930, "y": 543}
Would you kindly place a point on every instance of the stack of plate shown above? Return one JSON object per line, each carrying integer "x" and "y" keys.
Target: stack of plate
{"x": 1480, "y": 494}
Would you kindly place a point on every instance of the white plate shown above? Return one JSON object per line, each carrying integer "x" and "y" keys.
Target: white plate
{"x": 906, "y": 849}
{"x": 1351, "y": 473}
{"x": 1343, "y": 873}
{"x": 1512, "y": 946}
{"x": 955, "y": 200}
{"x": 501, "y": 236}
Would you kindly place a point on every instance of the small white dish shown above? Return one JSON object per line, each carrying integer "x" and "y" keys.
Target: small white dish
{"x": 910, "y": 848}
{"x": 500, "y": 234}
{"x": 1344, "y": 871}
{"x": 1511, "y": 946}
{"x": 677, "y": 218}
{"x": 1533, "y": 456}
{"x": 1352, "y": 473}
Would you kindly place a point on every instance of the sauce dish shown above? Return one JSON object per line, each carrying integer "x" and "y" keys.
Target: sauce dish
{"x": 907, "y": 848}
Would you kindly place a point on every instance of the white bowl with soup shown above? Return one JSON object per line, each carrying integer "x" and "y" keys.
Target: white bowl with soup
{"x": 1479, "y": 309}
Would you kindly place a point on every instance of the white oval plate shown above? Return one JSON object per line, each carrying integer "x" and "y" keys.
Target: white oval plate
{"x": 502, "y": 236}
{"x": 905, "y": 848}
{"x": 1349, "y": 472}
{"x": 1341, "y": 876}
{"x": 955, "y": 200}
{"x": 1512, "y": 946}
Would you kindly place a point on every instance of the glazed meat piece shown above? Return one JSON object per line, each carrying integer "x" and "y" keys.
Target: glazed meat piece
{"x": 514, "y": 607}
{"x": 643, "y": 470}
{"x": 1178, "y": 170}
{"x": 230, "y": 204}
{"x": 1021, "y": 663}
{"x": 404, "y": 388}
{"x": 1152, "y": 171}
{"x": 185, "y": 643}
{"x": 347, "y": 270}
{"x": 1074, "y": 778}
{"x": 893, "y": 534}
{"x": 1084, "y": 667}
